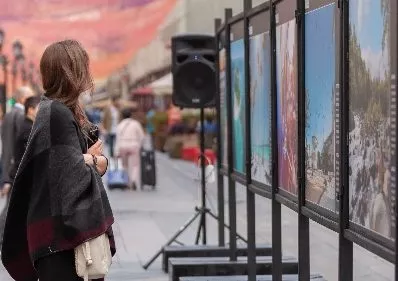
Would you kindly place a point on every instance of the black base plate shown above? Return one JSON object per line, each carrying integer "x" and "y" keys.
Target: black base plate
{"x": 287, "y": 277}
{"x": 180, "y": 267}
{"x": 207, "y": 251}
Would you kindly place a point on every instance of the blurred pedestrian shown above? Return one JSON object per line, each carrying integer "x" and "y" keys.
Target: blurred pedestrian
{"x": 31, "y": 108}
{"x": 1, "y": 148}
{"x": 110, "y": 121}
{"x": 174, "y": 117}
{"x": 58, "y": 201}
{"x": 21, "y": 141}
{"x": 129, "y": 137}
{"x": 209, "y": 130}
{"x": 150, "y": 126}
{"x": 10, "y": 127}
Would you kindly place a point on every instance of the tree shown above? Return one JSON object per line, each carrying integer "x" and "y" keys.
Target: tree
{"x": 385, "y": 10}
{"x": 319, "y": 160}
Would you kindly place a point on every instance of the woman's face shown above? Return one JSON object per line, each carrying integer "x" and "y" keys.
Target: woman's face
{"x": 32, "y": 112}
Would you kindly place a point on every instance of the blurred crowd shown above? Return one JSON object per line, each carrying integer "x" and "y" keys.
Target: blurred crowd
{"x": 124, "y": 130}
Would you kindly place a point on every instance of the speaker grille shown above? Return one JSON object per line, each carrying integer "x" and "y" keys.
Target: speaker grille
{"x": 194, "y": 82}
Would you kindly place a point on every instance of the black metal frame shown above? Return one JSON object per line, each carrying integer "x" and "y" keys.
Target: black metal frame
{"x": 276, "y": 205}
{"x": 250, "y": 196}
{"x": 345, "y": 245}
{"x": 231, "y": 182}
{"x": 338, "y": 220}
{"x": 220, "y": 175}
{"x": 394, "y": 65}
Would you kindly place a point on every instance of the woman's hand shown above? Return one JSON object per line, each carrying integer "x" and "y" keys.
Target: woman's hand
{"x": 96, "y": 149}
{"x": 88, "y": 159}
{"x": 102, "y": 162}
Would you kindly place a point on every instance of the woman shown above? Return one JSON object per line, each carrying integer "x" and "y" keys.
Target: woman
{"x": 129, "y": 138}
{"x": 58, "y": 200}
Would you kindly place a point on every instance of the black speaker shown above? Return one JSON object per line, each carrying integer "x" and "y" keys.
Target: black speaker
{"x": 194, "y": 70}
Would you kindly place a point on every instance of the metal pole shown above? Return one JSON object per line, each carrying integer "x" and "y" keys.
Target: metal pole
{"x": 394, "y": 87}
{"x": 203, "y": 166}
{"x": 250, "y": 196}
{"x": 345, "y": 246}
{"x": 14, "y": 76}
{"x": 220, "y": 177}
{"x": 4, "y": 95}
{"x": 231, "y": 182}
{"x": 276, "y": 206}
{"x": 4, "y": 105}
{"x": 303, "y": 221}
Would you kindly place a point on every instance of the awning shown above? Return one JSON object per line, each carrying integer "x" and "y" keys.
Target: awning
{"x": 112, "y": 31}
{"x": 142, "y": 91}
{"x": 104, "y": 103}
{"x": 163, "y": 86}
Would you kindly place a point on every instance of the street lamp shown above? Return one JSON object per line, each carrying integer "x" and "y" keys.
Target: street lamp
{"x": 19, "y": 60}
{"x": 30, "y": 73}
{"x": 3, "y": 65}
{"x": 1, "y": 39}
{"x": 17, "y": 48}
{"x": 23, "y": 70}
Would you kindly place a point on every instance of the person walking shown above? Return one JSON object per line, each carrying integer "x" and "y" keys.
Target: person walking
{"x": 31, "y": 108}
{"x": 58, "y": 200}
{"x": 129, "y": 137}
{"x": 10, "y": 127}
{"x": 1, "y": 150}
{"x": 150, "y": 126}
{"x": 21, "y": 140}
{"x": 174, "y": 117}
{"x": 110, "y": 121}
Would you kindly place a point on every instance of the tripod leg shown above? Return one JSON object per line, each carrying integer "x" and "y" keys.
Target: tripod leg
{"x": 226, "y": 225}
{"x": 172, "y": 239}
{"x": 200, "y": 225}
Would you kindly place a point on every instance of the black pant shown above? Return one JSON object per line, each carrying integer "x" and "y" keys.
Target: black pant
{"x": 111, "y": 143}
{"x": 3, "y": 216}
{"x": 58, "y": 267}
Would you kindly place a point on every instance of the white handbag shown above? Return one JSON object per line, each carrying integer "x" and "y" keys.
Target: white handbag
{"x": 93, "y": 258}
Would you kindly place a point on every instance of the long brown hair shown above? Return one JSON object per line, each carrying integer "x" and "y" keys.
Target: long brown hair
{"x": 65, "y": 72}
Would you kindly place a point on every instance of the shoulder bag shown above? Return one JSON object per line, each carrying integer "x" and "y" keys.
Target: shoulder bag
{"x": 93, "y": 258}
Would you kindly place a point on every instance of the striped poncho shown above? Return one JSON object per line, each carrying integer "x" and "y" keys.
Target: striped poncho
{"x": 57, "y": 200}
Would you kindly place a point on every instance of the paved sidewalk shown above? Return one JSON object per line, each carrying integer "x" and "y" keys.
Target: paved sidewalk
{"x": 146, "y": 219}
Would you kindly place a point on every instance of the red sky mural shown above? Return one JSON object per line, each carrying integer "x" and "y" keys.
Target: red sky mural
{"x": 111, "y": 30}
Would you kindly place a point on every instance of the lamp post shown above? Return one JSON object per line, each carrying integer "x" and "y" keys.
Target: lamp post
{"x": 23, "y": 70}
{"x": 30, "y": 73}
{"x": 3, "y": 65}
{"x": 2, "y": 35}
{"x": 19, "y": 59}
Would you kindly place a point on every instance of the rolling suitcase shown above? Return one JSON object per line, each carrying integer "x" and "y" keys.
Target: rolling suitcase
{"x": 117, "y": 177}
{"x": 148, "y": 165}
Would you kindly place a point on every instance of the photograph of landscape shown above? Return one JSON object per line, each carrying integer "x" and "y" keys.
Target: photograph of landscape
{"x": 370, "y": 127}
{"x": 260, "y": 92}
{"x": 286, "y": 66}
{"x": 320, "y": 69}
{"x": 238, "y": 104}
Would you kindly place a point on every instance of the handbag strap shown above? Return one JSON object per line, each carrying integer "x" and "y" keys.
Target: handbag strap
{"x": 87, "y": 256}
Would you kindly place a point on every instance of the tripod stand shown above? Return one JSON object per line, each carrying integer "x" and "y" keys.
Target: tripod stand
{"x": 201, "y": 211}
